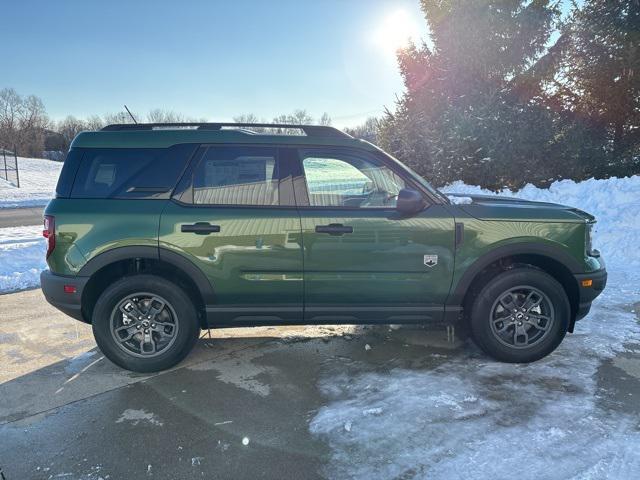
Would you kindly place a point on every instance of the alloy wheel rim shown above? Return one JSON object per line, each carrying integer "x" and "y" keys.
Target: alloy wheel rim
{"x": 521, "y": 317}
{"x": 144, "y": 324}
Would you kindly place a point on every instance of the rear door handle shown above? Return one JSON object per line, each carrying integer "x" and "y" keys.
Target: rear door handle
{"x": 334, "y": 229}
{"x": 200, "y": 228}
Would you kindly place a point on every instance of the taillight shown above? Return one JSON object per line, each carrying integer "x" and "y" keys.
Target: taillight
{"x": 49, "y": 233}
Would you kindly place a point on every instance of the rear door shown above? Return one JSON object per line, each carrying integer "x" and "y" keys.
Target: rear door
{"x": 363, "y": 261}
{"x": 234, "y": 216}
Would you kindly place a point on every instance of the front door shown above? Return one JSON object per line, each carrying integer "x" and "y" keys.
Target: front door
{"x": 236, "y": 220}
{"x": 363, "y": 261}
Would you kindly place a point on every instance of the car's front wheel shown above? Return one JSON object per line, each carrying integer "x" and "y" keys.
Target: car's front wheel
{"x": 521, "y": 315}
{"x": 145, "y": 323}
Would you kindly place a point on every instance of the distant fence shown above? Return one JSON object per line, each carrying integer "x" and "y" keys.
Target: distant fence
{"x": 9, "y": 167}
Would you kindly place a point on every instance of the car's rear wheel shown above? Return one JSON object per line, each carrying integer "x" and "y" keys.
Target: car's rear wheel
{"x": 145, "y": 323}
{"x": 520, "y": 315}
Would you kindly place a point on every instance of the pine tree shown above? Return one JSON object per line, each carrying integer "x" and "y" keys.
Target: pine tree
{"x": 462, "y": 115}
{"x": 599, "y": 84}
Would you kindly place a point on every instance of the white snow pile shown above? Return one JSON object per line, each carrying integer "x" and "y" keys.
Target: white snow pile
{"x": 38, "y": 178}
{"x": 460, "y": 200}
{"x": 22, "y": 257}
{"x": 464, "y": 415}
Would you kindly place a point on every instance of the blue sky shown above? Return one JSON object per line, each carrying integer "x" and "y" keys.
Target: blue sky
{"x": 212, "y": 59}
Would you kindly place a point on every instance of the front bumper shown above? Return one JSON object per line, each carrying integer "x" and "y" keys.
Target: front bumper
{"x": 588, "y": 294}
{"x": 53, "y": 288}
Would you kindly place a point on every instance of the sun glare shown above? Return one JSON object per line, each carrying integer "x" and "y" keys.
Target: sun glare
{"x": 396, "y": 31}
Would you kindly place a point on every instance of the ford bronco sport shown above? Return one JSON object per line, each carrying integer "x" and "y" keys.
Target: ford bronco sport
{"x": 159, "y": 231}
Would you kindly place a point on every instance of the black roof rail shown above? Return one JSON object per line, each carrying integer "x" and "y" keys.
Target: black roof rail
{"x": 309, "y": 130}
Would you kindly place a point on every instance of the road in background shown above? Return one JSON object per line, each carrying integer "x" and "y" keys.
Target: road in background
{"x": 17, "y": 217}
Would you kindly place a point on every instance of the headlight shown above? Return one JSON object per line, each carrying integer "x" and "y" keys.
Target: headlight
{"x": 588, "y": 241}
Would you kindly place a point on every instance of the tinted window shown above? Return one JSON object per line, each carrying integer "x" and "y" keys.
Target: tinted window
{"x": 236, "y": 176}
{"x": 349, "y": 180}
{"x": 130, "y": 173}
{"x": 68, "y": 173}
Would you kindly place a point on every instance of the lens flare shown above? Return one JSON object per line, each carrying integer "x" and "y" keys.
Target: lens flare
{"x": 396, "y": 31}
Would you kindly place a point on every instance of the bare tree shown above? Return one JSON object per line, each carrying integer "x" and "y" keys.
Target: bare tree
{"x": 325, "y": 120}
{"x": 119, "y": 117}
{"x": 248, "y": 118}
{"x": 22, "y": 122}
{"x": 158, "y": 115}
{"x": 11, "y": 109}
{"x": 94, "y": 122}
{"x": 298, "y": 117}
{"x": 367, "y": 131}
{"x": 69, "y": 128}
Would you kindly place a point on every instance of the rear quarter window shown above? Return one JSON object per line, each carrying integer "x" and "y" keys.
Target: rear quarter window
{"x": 130, "y": 172}
{"x": 68, "y": 173}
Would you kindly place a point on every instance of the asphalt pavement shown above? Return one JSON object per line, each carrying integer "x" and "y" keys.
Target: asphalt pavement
{"x": 17, "y": 217}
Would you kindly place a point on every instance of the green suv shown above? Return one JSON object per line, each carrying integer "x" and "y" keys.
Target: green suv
{"x": 159, "y": 231}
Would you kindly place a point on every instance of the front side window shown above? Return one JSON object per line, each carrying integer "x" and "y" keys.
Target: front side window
{"x": 349, "y": 180}
{"x": 236, "y": 176}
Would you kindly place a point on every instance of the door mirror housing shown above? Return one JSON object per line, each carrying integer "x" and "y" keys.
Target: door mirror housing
{"x": 409, "y": 202}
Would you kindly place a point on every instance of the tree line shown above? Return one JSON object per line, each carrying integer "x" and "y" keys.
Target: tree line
{"x": 26, "y": 128}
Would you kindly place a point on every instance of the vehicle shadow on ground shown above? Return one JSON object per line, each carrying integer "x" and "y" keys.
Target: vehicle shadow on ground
{"x": 229, "y": 355}
{"x": 239, "y": 392}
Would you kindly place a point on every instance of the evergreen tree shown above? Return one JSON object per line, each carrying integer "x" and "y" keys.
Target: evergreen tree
{"x": 598, "y": 84}
{"x": 463, "y": 115}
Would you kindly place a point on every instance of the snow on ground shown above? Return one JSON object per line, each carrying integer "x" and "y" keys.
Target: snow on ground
{"x": 38, "y": 178}
{"x": 22, "y": 257}
{"x": 468, "y": 416}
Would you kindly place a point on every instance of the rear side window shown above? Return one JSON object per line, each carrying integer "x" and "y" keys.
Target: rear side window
{"x": 68, "y": 173}
{"x": 130, "y": 172}
{"x": 236, "y": 176}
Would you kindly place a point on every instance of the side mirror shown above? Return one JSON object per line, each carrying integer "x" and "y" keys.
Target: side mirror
{"x": 409, "y": 202}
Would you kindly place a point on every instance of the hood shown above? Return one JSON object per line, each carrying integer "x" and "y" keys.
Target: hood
{"x": 494, "y": 207}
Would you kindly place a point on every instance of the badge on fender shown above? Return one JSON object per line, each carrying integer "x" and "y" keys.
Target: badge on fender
{"x": 431, "y": 260}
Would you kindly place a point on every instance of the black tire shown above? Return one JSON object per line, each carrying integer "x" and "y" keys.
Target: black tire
{"x": 178, "y": 304}
{"x": 494, "y": 340}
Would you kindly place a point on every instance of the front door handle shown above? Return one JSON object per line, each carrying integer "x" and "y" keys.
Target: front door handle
{"x": 200, "y": 228}
{"x": 334, "y": 229}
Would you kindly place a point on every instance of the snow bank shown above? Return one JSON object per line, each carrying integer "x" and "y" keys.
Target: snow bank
{"x": 22, "y": 257}
{"x": 463, "y": 415}
{"x": 615, "y": 202}
{"x": 38, "y": 178}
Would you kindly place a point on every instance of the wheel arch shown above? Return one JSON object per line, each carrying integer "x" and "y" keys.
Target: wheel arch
{"x": 122, "y": 261}
{"x": 552, "y": 260}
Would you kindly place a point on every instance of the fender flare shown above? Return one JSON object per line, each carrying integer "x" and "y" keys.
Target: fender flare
{"x": 552, "y": 252}
{"x": 159, "y": 254}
